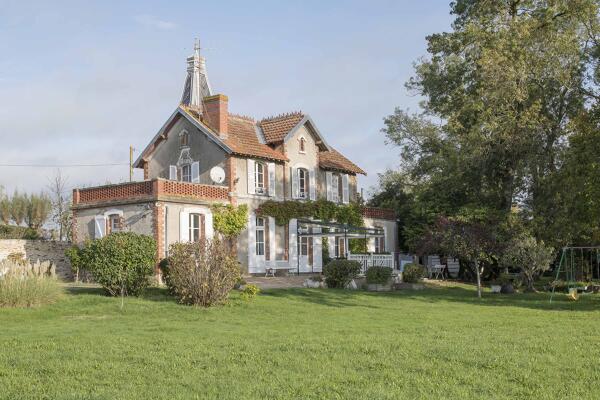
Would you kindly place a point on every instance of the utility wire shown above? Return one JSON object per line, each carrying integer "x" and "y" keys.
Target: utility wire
{"x": 62, "y": 165}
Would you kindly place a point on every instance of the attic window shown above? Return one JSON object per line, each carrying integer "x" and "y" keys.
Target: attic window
{"x": 184, "y": 138}
{"x": 302, "y": 148}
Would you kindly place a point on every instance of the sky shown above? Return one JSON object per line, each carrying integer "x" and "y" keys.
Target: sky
{"x": 82, "y": 81}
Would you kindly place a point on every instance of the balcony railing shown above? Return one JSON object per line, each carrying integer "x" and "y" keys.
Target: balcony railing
{"x": 156, "y": 189}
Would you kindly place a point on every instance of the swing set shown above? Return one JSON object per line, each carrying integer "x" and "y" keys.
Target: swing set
{"x": 579, "y": 269}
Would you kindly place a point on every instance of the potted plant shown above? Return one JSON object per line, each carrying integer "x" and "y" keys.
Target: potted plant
{"x": 379, "y": 279}
{"x": 412, "y": 276}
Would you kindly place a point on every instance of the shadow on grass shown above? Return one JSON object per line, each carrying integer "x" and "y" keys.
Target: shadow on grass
{"x": 344, "y": 298}
{"x": 151, "y": 293}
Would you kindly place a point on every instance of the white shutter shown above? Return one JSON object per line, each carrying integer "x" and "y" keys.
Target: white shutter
{"x": 331, "y": 246}
{"x": 317, "y": 251}
{"x": 385, "y": 240}
{"x": 173, "y": 172}
{"x": 271, "y": 169}
{"x": 345, "y": 189}
{"x": 99, "y": 226}
{"x": 293, "y": 250}
{"x": 251, "y": 243}
{"x": 312, "y": 184}
{"x": 251, "y": 177}
{"x": 328, "y": 179}
{"x": 371, "y": 245}
{"x": 196, "y": 172}
{"x": 208, "y": 225}
{"x": 294, "y": 183}
{"x": 184, "y": 227}
{"x": 271, "y": 240}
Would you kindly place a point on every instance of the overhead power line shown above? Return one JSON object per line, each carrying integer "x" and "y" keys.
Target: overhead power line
{"x": 63, "y": 165}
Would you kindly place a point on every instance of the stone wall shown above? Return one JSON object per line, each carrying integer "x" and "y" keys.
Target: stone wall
{"x": 42, "y": 250}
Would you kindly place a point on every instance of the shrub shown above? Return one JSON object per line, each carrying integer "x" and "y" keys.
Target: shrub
{"x": 121, "y": 262}
{"x": 379, "y": 275}
{"x": 74, "y": 254}
{"x": 202, "y": 273}
{"x": 339, "y": 273}
{"x": 413, "y": 273}
{"x": 18, "y": 232}
{"x": 28, "y": 285}
{"x": 250, "y": 292}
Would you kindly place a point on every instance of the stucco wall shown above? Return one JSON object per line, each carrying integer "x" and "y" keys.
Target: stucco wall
{"x": 391, "y": 233}
{"x": 34, "y": 250}
{"x": 202, "y": 149}
{"x": 136, "y": 218}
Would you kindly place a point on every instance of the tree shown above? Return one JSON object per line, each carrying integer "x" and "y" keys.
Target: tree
{"x": 18, "y": 207}
{"x": 530, "y": 256}
{"x": 502, "y": 95}
{"x": 61, "y": 200}
{"x": 37, "y": 210}
{"x": 4, "y": 207}
{"x": 471, "y": 237}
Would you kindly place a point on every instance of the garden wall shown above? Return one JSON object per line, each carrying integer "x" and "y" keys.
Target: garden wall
{"x": 42, "y": 250}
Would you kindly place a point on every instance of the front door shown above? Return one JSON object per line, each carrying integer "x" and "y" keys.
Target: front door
{"x": 306, "y": 253}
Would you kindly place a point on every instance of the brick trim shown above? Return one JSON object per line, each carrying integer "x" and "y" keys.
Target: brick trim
{"x": 379, "y": 213}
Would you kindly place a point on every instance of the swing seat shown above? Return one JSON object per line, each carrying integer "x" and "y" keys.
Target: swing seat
{"x": 573, "y": 294}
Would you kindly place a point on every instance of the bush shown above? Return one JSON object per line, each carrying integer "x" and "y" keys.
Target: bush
{"x": 18, "y": 232}
{"x": 26, "y": 285}
{"x": 339, "y": 273}
{"x": 202, "y": 273}
{"x": 74, "y": 254}
{"x": 379, "y": 275}
{"x": 250, "y": 292}
{"x": 413, "y": 273}
{"x": 121, "y": 262}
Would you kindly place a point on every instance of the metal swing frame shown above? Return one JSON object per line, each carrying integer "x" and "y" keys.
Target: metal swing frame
{"x": 568, "y": 262}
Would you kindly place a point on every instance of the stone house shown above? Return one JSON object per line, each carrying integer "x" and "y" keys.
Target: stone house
{"x": 203, "y": 155}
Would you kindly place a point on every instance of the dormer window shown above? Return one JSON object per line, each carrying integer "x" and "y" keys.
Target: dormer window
{"x": 184, "y": 138}
{"x": 259, "y": 176}
{"x": 302, "y": 145}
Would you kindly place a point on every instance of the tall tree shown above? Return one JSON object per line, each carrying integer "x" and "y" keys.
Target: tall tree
{"x": 61, "y": 212}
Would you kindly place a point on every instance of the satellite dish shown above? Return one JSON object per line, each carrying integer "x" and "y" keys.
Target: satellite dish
{"x": 217, "y": 174}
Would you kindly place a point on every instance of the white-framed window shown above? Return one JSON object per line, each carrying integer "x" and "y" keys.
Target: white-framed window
{"x": 186, "y": 173}
{"x": 195, "y": 227}
{"x": 260, "y": 170}
{"x": 260, "y": 236}
{"x": 184, "y": 138}
{"x": 113, "y": 223}
{"x": 303, "y": 182}
{"x": 380, "y": 244}
{"x": 304, "y": 245}
{"x": 340, "y": 247}
{"x": 335, "y": 185}
{"x": 302, "y": 145}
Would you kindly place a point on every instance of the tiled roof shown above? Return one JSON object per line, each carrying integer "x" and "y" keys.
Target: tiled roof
{"x": 275, "y": 128}
{"x": 242, "y": 140}
{"x": 333, "y": 160}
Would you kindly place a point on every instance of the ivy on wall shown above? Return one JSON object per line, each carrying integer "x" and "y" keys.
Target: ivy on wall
{"x": 229, "y": 220}
{"x": 284, "y": 211}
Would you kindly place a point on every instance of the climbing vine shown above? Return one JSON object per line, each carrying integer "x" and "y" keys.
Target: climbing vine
{"x": 229, "y": 220}
{"x": 284, "y": 211}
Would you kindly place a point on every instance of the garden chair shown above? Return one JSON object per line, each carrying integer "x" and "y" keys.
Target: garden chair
{"x": 438, "y": 271}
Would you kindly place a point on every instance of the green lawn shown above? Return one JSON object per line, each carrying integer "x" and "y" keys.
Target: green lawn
{"x": 301, "y": 344}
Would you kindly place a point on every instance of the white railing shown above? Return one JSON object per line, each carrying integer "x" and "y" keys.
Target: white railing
{"x": 373, "y": 260}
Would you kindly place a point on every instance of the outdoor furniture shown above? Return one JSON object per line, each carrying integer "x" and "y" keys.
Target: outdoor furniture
{"x": 438, "y": 271}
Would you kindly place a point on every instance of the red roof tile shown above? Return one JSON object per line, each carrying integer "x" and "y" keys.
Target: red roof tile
{"x": 276, "y": 128}
{"x": 333, "y": 160}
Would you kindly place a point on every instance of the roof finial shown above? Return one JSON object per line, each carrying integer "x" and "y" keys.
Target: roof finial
{"x": 197, "y": 46}
{"x": 196, "y": 85}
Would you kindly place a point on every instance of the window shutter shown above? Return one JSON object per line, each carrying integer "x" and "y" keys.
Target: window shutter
{"x": 293, "y": 244}
{"x": 317, "y": 251}
{"x": 294, "y": 183}
{"x": 345, "y": 189}
{"x": 173, "y": 172}
{"x": 267, "y": 239}
{"x": 251, "y": 243}
{"x": 271, "y": 237}
{"x": 196, "y": 172}
{"x": 208, "y": 225}
{"x": 99, "y": 226}
{"x": 184, "y": 227}
{"x": 328, "y": 179}
{"x": 251, "y": 177}
{"x": 312, "y": 185}
{"x": 331, "y": 245}
{"x": 271, "y": 169}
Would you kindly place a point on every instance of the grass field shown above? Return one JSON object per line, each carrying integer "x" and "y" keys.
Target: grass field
{"x": 303, "y": 344}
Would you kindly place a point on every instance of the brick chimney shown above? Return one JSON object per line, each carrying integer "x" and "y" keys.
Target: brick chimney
{"x": 216, "y": 113}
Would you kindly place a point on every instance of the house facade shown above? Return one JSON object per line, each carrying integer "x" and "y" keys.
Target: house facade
{"x": 204, "y": 155}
